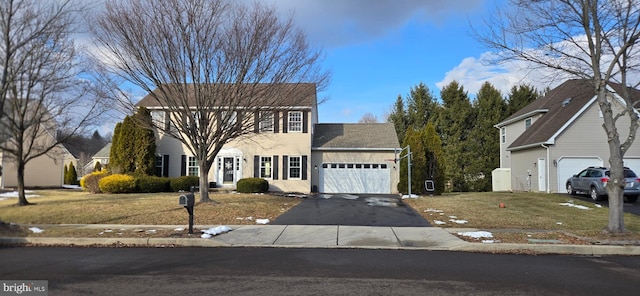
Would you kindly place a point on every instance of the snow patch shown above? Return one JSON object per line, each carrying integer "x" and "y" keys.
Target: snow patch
{"x": 459, "y": 221}
{"x": 208, "y": 233}
{"x": 14, "y": 194}
{"x": 179, "y": 229}
{"x": 438, "y": 222}
{"x": 433, "y": 210}
{"x": 407, "y": 196}
{"x": 262, "y": 221}
{"x": 571, "y": 204}
{"x": 477, "y": 234}
{"x": 36, "y": 230}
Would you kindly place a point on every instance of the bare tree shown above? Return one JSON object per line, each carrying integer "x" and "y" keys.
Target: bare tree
{"x": 368, "y": 118}
{"x": 46, "y": 98}
{"x": 588, "y": 39}
{"x": 208, "y": 63}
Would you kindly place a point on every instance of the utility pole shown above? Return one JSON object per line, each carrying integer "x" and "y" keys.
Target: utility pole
{"x": 408, "y": 156}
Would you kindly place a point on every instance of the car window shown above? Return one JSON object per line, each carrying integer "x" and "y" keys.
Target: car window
{"x": 595, "y": 174}
{"x": 583, "y": 173}
{"x": 629, "y": 174}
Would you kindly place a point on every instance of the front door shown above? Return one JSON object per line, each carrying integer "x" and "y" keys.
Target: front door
{"x": 542, "y": 175}
{"x": 228, "y": 170}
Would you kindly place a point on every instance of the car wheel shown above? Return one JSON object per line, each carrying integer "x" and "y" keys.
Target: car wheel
{"x": 632, "y": 198}
{"x": 570, "y": 189}
{"x": 594, "y": 194}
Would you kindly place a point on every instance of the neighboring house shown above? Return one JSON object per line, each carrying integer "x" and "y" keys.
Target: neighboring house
{"x": 44, "y": 171}
{"x": 102, "y": 156}
{"x": 280, "y": 150}
{"x": 558, "y": 135}
{"x": 355, "y": 158}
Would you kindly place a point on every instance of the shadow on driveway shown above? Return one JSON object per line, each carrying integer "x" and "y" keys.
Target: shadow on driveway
{"x": 352, "y": 210}
{"x": 629, "y": 207}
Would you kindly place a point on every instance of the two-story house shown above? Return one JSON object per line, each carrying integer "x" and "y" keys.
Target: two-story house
{"x": 280, "y": 150}
{"x": 558, "y": 135}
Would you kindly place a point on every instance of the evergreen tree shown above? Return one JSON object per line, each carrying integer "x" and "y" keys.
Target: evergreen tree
{"x": 434, "y": 158}
{"x": 421, "y": 106}
{"x": 398, "y": 117}
{"x": 483, "y": 140}
{"x": 73, "y": 175}
{"x": 454, "y": 122}
{"x": 133, "y": 146}
{"x": 145, "y": 143}
{"x": 66, "y": 174}
{"x": 413, "y": 139}
{"x": 115, "y": 165}
{"x": 519, "y": 97}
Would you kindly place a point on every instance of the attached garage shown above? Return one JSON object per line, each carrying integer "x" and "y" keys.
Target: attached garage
{"x": 569, "y": 166}
{"x": 355, "y": 178}
{"x": 354, "y": 158}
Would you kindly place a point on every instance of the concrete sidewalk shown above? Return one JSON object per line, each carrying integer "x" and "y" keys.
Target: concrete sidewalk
{"x": 316, "y": 236}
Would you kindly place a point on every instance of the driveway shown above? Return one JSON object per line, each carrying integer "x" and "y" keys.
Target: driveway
{"x": 629, "y": 207}
{"x": 352, "y": 210}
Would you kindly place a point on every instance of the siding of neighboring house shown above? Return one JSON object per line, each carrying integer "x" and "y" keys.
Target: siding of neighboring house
{"x": 524, "y": 169}
{"x": 43, "y": 171}
{"x": 513, "y": 131}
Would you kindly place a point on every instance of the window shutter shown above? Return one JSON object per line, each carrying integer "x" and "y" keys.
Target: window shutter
{"x": 165, "y": 165}
{"x": 183, "y": 166}
{"x": 274, "y": 175}
{"x": 239, "y": 115}
{"x": 256, "y": 166}
{"x": 167, "y": 121}
{"x": 256, "y": 122}
{"x": 285, "y": 122}
{"x": 276, "y": 122}
{"x": 285, "y": 167}
{"x": 305, "y": 124}
{"x": 304, "y": 167}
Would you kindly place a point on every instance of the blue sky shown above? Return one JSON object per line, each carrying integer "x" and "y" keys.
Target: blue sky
{"x": 377, "y": 50}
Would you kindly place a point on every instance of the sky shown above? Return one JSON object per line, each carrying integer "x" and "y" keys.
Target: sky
{"x": 378, "y": 50}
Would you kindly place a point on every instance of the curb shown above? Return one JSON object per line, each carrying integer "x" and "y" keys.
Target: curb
{"x": 117, "y": 242}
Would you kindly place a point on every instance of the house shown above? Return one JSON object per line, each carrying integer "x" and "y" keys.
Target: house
{"x": 289, "y": 149}
{"x": 556, "y": 136}
{"x": 102, "y": 157}
{"x": 43, "y": 171}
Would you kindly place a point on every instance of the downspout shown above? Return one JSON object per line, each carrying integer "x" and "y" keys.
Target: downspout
{"x": 548, "y": 176}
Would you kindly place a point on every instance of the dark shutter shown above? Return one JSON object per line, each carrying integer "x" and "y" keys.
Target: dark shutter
{"x": 274, "y": 175}
{"x": 285, "y": 122}
{"x": 167, "y": 121}
{"x": 256, "y": 122}
{"x": 165, "y": 165}
{"x": 305, "y": 124}
{"x": 285, "y": 167}
{"x": 304, "y": 167}
{"x": 276, "y": 122}
{"x": 239, "y": 115}
{"x": 256, "y": 166}
{"x": 183, "y": 166}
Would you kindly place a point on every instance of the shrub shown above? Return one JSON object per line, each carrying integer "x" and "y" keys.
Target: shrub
{"x": 97, "y": 167}
{"x": 91, "y": 181}
{"x": 252, "y": 185}
{"x": 184, "y": 183}
{"x": 148, "y": 184}
{"x": 118, "y": 183}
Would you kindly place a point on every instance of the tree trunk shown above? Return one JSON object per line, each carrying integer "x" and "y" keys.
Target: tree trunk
{"x": 22, "y": 199}
{"x": 204, "y": 180}
{"x": 615, "y": 186}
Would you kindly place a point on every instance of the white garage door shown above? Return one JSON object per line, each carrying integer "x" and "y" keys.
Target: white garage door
{"x": 633, "y": 164}
{"x": 569, "y": 166}
{"x": 355, "y": 178}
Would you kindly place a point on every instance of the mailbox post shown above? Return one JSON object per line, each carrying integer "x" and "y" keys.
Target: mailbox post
{"x": 188, "y": 201}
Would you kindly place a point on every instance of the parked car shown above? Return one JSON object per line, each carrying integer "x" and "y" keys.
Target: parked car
{"x": 593, "y": 180}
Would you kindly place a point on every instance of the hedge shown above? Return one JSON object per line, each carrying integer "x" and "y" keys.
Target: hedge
{"x": 252, "y": 185}
{"x": 184, "y": 183}
{"x": 118, "y": 183}
{"x": 147, "y": 184}
{"x": 90, "y": 182}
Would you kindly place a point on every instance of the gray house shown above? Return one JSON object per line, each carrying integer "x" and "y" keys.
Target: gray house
{"x": 555, "y": 137}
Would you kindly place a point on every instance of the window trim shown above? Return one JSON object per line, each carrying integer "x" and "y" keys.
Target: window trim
{"x": 298, "y": 123}
{"x": 190, "y": 161}
{"x": 263, "y": 167}
{"x": 503, "y": 135}
{"x": 290, "y": 167}
{"x": 528, "y": 122}
{"x": 265, "y": 126}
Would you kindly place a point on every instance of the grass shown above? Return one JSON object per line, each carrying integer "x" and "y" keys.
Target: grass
{"x": 525, "y": 215}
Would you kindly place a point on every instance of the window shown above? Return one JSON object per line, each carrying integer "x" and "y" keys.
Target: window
{"x": 295, "y": 165}
{"x": 295, "y": 121}
{"x": 503, "y": 135}
{"x": 229, "y": 118}
{"x": 265, "y": 167}
{"x": 158, "y": 118}
{"x": 159, "y": 165}
{"x": 192, "y": 167}
{"x": 527, "y": 123}
{"x": 266, "y": 121}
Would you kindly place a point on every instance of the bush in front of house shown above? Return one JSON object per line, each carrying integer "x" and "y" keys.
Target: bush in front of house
{"x": 184, "y": 183}
{"x": 252, "y": 185}
{"x": 118, "y": 183}
{"x": 91, "y": 181}
{"x": 148, "y": 184}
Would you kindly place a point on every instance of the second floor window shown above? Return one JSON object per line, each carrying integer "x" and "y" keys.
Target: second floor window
{"x": 527, "y": 123}
{"x": 266, "y": 121}
{"x": 295, "y": 121}
{"x": 503, "y": 135}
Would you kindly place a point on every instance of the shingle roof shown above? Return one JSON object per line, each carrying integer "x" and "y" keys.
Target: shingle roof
{"x": 559, "y": 106}
{"x": 355, "y": 136}
{"x": 104, "y": 152}
{"x": 284, "y": 94}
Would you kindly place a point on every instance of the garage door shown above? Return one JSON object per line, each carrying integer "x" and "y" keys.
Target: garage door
{"x": 569, "y": 166}
{"x": 355, "y": 178}
{"x": 633, "y": 164}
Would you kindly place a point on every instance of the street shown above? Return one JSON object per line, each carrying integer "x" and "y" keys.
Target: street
{"x": 284, "y": 271}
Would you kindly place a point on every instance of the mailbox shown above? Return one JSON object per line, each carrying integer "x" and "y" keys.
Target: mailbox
{"x": 186, "y": 200}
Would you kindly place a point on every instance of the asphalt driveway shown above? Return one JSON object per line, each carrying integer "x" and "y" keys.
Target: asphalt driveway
{"x": 629, "y": 207}
{"x": 352, "y": 210}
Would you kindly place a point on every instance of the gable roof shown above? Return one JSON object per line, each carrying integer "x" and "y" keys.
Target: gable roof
{"x": 104, "y": 152}
{"x": 561, "y": 106}
{"x": 355, "y": 136}
{"x": 285, "y": 94}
